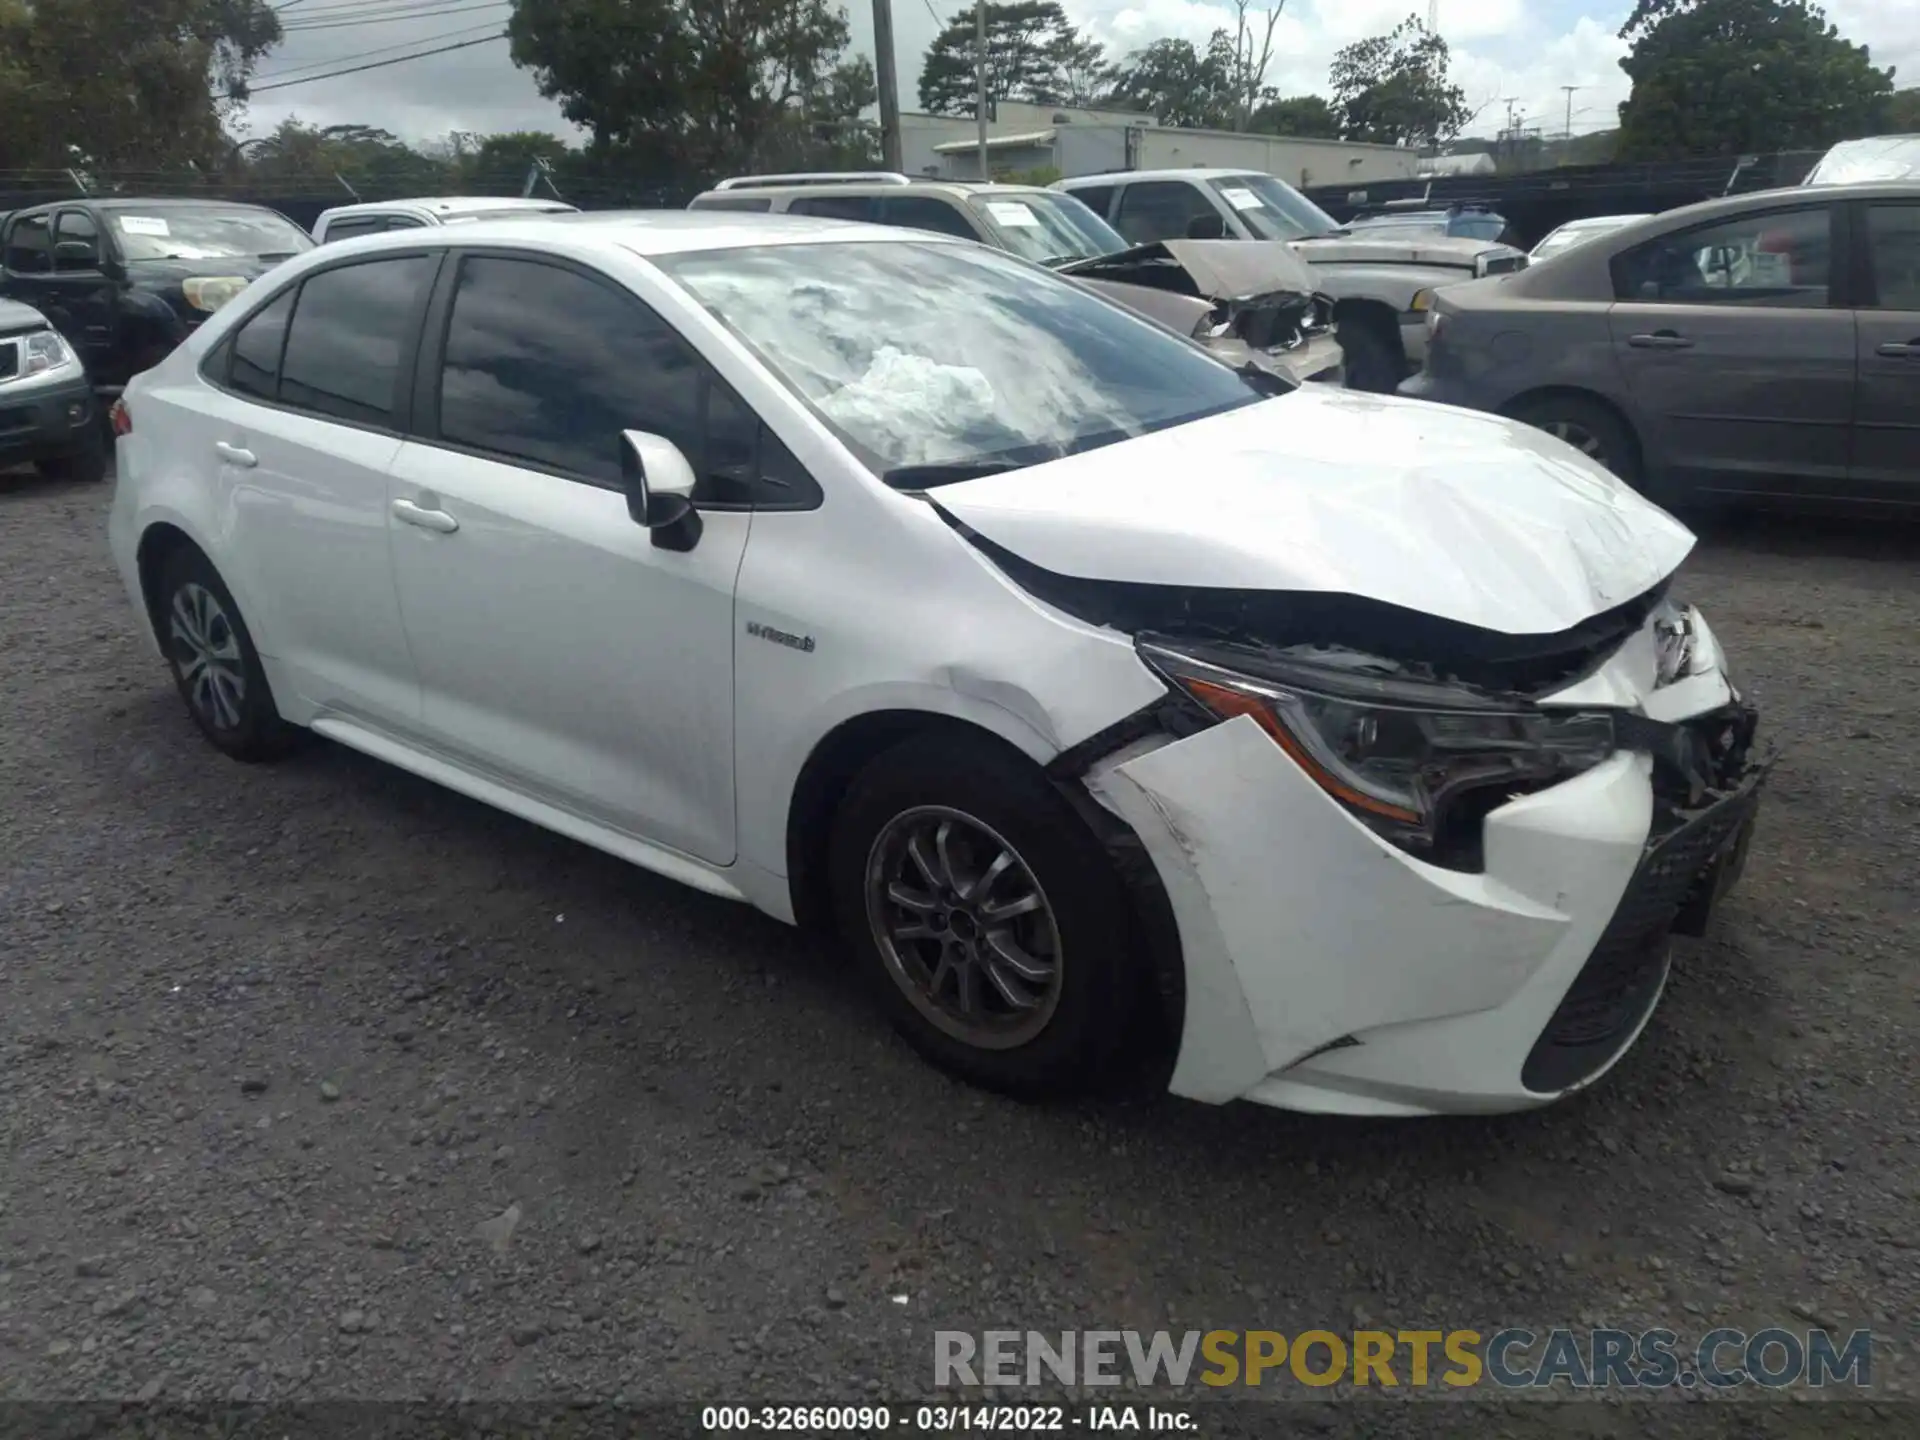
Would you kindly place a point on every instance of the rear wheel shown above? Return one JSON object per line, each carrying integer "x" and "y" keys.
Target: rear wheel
{"x": 987, "y": 915}
{"x": 215, "y": 664}
{"x": 1589, "y": 427}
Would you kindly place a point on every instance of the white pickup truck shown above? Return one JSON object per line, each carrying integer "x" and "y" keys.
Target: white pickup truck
{"x": 1381, "y": 285}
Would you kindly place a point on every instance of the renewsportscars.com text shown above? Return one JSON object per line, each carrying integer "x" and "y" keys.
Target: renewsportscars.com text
{"x": 1507, "y": 1359}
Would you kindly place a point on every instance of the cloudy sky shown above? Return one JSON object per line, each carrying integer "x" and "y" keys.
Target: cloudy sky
{"x": 1519, "y": 50}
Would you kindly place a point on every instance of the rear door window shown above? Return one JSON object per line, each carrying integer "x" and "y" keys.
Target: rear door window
{"x": 352, "y": 328}
{"x": 1893, "y": 233}
{"x": 255, "y": 367}
{"x": 1098, "y": 198}
{"x": 833, "y": 207}
{"x": 1779, "y": 259}
{"x": 757, "y": 203}
{"x": 1160, "y": 210}
{"x": 349, "y": 226}
{"x": 925, "y": 212}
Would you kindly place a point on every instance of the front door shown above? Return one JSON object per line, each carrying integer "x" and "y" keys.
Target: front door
{"x": 1741, "y": 368}
{"x": 88, "y": 302}
{"x": 557, "y": 647}
{"x": 1886, "y": 425}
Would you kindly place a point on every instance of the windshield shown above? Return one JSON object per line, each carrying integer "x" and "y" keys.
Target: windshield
{"x": 1883, "y": 157}
{"x": 958, "y": 357}
{"x": 1049, "y": 228}
{"x": 181, "y": 233}
{"x": 1272, "y": 209}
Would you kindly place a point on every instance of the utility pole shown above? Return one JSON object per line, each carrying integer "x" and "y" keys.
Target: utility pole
{"x": 980, "y": 80}
{"x": 1570, "y": 89}
{"x": 889, "y": 85}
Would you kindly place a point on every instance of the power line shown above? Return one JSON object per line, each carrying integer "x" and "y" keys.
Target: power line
{"x": 453, "y": 9}
{"x": 358, "y": 55}
{"x": 380, "y": 64}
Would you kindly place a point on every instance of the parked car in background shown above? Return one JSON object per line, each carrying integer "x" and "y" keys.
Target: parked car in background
{"x": 888, "y": 581}
{"x": 374, "y": 217}
{"x": 48, "y": 414}
{"x": 1474, "y": 219}
{"x": 1578, "y": 232}
{"x": 1381, "y": 286}
{"x": 1877, "y": 159}
{"x": 1260, "y": 309}
{"x": 1763, "y": 346}
{"x": 124, "y": 281}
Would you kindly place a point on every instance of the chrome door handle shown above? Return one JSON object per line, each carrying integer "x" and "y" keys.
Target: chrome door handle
{"x": 1896, "y": 351}
{"x": 438, "y": 521}
{"x": 235, "y": 455}
{"x": 1660, "y": 340}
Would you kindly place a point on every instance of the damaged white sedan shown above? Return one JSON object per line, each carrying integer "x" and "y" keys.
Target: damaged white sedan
{"x": 1104, "y": 696}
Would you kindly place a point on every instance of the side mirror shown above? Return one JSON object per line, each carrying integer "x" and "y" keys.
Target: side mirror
{"x": 659, "y": 484}
{"x": 1207, "y": 227}
{"x": 76, "y": 255}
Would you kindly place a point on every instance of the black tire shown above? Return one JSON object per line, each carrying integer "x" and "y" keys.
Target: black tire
{"x": 87, "y": 466}
{"x": 1590, "y": 428}
{"x": 1099, "y": 967}
{"x": 1375, "y": 363}
{"x": 245, "y": 725}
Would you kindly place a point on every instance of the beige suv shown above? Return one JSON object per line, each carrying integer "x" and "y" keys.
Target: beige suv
{"x": 1271, "y": 317}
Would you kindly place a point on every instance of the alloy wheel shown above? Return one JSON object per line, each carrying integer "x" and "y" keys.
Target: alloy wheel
{"x": 206, "y": 652}
{"x": 1579, "y": 437}
{"x": 964, "y": 928}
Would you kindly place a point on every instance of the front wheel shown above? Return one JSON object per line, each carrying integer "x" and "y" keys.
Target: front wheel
{"x": 88, "y": 466}
{"x": 987, "y": 915}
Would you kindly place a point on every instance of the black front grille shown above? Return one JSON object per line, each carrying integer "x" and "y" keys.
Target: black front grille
{"x": 1506, "y": 264}
{"x": 9, "y": 359}
{"x": 1621, "y": 980}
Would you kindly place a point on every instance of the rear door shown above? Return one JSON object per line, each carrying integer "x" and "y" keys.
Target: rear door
{"x": 305, "y": 412}
{"x": 1886, "y": 424}
{"x": 1740, "y": 362}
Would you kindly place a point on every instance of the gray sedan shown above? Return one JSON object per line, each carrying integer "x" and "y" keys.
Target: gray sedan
{"x": 1758, "y": 347}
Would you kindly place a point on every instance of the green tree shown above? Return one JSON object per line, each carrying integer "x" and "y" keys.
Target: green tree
{"x": 126, "y": 83}
{"x": 1902, "y": 113}
{"x": 1033, "y": 53}
{"x": 1307, "y": 117}
{"x": 1394, "y": 89}
{"x": 1718, "y": 77}
{"x": 1177, "y": 83}
{"x": 681, "y": 89}
{"x": 367, "y": 158}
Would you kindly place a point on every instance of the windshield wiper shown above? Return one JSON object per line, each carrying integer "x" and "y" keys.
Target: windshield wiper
{"x": 948, "y": 472}
{"x": 276, "y": 256}
{"x": 1258, "y": 377}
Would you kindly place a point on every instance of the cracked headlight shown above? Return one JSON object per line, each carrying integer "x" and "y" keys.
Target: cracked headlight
{"x": 1420, "y": 761}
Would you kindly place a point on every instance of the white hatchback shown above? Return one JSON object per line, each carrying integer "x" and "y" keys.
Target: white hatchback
{"x": 1103, "y": 696}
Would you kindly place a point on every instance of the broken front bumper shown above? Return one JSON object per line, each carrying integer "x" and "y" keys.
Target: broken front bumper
{"x": 1328, "y": 970}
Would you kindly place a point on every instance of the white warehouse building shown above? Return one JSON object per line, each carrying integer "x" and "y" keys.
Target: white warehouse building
{"x": 1023, "y": 137}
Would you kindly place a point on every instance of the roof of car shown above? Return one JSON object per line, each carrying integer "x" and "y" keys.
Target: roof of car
{"x": 130, "y": 202}
{"x": 1196, "y": 172}
{"x": 646, "y": 232}
{"x": 958, "y": 189}
{"x": 455, "y": 204}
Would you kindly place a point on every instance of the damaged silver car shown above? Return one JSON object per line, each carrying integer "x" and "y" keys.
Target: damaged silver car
{"x": 1249, "y": 303}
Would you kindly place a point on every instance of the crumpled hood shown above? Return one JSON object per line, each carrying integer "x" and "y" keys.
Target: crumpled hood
{"x": 1219, "y": 269}
{"x": 1436, "y": 249}
{"x": 1452, "y": 513}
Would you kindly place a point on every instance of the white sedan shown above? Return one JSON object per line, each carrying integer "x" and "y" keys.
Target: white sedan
{"x": 1101, "y": 695}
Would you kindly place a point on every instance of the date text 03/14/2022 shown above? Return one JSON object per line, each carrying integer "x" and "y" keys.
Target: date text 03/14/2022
{"x": 946, "y": 1419}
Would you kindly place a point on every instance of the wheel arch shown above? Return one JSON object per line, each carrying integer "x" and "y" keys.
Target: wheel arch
{"x": 158, "y": 542}
{"x": 839, "y": 756}
{"x": 1516, "y": 408}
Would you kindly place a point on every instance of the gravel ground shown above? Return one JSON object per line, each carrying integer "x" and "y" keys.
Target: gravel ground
{"x": 318, "y": 1081}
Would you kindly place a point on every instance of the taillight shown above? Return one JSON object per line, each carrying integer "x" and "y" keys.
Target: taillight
{"x": 121, "y": 417}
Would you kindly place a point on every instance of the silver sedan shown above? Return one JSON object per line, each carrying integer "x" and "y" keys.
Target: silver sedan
{"x": 1757, "y": 347}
